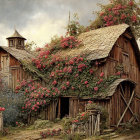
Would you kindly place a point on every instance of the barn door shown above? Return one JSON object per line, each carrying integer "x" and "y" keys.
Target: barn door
{"x": 5, "y": 63}
{"x": 127, "y": 105}
{"x": 5, "y": 68}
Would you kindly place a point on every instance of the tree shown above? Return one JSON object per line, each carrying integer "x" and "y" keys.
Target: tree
{"x": 118, "y": 12}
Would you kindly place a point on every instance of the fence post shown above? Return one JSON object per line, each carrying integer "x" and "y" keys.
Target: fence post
{"x": 1, "y": 121}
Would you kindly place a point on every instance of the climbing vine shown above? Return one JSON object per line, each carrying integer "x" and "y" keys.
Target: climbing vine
{"x": 64, "y": 76}
{"x": 118, "y": 12}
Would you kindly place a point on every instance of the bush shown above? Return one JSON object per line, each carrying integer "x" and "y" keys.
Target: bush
{"x": 11, "y": 102}
{"x": 41, "y": 124}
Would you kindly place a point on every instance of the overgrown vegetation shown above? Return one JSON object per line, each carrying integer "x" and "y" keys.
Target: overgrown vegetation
{"x": 64, "y": 76}
{"x": 118, "y": 12}
{"x": 12, "y": 103}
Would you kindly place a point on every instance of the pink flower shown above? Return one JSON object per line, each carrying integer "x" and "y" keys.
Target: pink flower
{"x": 83, "y": 114}
{"x": 67, "y": 83}
{"x": 2, "y": 109}
{"x": 101, "y": 74}
{"x": 123, "y": 16}
{"x": 44, "y": 102}
{"x": 131, "y": 3}
{"x": 37, "y": 103}
{"x": 72, "y": 88}
{"x": 102, "y": 13}
{"x": 86, "y": 82}
{"x": 101, "y": 80}
{"x": 91, "y": 71}
{"x": 95, "y": 88}
{"x": 109, "y": 9}
{"x": 106, "y": 18}
{"x": 134, "y": 18}
{"x": 118, "y": 73}
{"x": 54, "y": 82}
{"x": 90, "y": 102}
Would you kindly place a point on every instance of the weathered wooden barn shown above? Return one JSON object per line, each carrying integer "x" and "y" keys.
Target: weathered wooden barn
{"x": 11, "y": 68}
{"x": 113, "y": 48}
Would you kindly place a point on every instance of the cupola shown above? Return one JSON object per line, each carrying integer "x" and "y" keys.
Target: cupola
{"x": 16, "y": 41}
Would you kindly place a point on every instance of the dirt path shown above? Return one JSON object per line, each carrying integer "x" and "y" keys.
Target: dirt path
{"x": 28, "y": 134}
{"x": 35, "y": 135}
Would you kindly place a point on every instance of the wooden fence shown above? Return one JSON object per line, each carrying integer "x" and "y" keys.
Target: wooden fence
{"x": 1, "y": 122}
{"x": 91, "y": 127}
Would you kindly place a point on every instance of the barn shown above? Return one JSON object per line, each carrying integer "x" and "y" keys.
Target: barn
{"x": 114, "y": 48}
{"x": 11, "y": 68}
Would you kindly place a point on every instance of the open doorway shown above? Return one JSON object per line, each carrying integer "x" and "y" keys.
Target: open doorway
{"x": 64, "y": 107}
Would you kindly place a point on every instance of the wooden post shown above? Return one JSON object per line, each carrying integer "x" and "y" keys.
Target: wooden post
{"x": 1, "y": 122}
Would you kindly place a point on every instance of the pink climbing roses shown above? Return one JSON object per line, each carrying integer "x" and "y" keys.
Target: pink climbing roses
{"x": 2, "y": 109}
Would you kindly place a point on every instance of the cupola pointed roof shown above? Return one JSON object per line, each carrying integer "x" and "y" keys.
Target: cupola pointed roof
{"x": 16, "y": 35}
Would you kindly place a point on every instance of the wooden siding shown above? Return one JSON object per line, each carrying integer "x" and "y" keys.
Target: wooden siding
{"x": 123, "y": 54}
{"x": 11, "y": 70}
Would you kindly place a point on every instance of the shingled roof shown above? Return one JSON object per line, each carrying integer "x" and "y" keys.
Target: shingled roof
{"x": 97, "y": 43}
{"x": 20, "y": 55}
{"x": 16, "y": 35}
{"x": 111, "y": 89}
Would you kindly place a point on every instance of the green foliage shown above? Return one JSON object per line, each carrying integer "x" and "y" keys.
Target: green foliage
{"x": 40, "y": 124}
{"x": 74, "y": 28}
{"x": 82, "y": 117}
{"x": 29, "y": 46}
{"x": 66, "y": 123}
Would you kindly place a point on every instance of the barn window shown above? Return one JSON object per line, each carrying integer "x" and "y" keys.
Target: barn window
{"x": 20, "y": 42}
{"x": 125, "y": 45}
{"x": 11, "y": 42}
{"x": 125, "y": 61}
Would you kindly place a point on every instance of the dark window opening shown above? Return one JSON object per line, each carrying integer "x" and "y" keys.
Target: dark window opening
{"x": 20, "y": 42}
{"x": 11, "y": 42}
{"x": 64, "y": 107}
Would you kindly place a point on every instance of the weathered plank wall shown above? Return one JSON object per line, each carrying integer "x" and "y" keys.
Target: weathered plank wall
{"x": 11, "y": 71}
{"x": 123, "y": 54}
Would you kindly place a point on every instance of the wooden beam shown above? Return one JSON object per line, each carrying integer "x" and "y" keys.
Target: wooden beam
{"x": 126, "y": 104}
{"x": 126, "y": 108}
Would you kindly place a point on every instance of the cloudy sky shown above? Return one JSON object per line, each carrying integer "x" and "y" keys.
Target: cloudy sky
{"x": 39, "y": 20}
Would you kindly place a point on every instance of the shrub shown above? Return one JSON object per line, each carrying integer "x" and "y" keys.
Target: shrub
{"x": 11, "y": 102}
{"x": 41, "y": 124}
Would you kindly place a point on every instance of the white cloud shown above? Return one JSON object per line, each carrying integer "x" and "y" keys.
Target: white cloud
{"x": 4, "y": 33}
{"x": 41, "y": 28}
